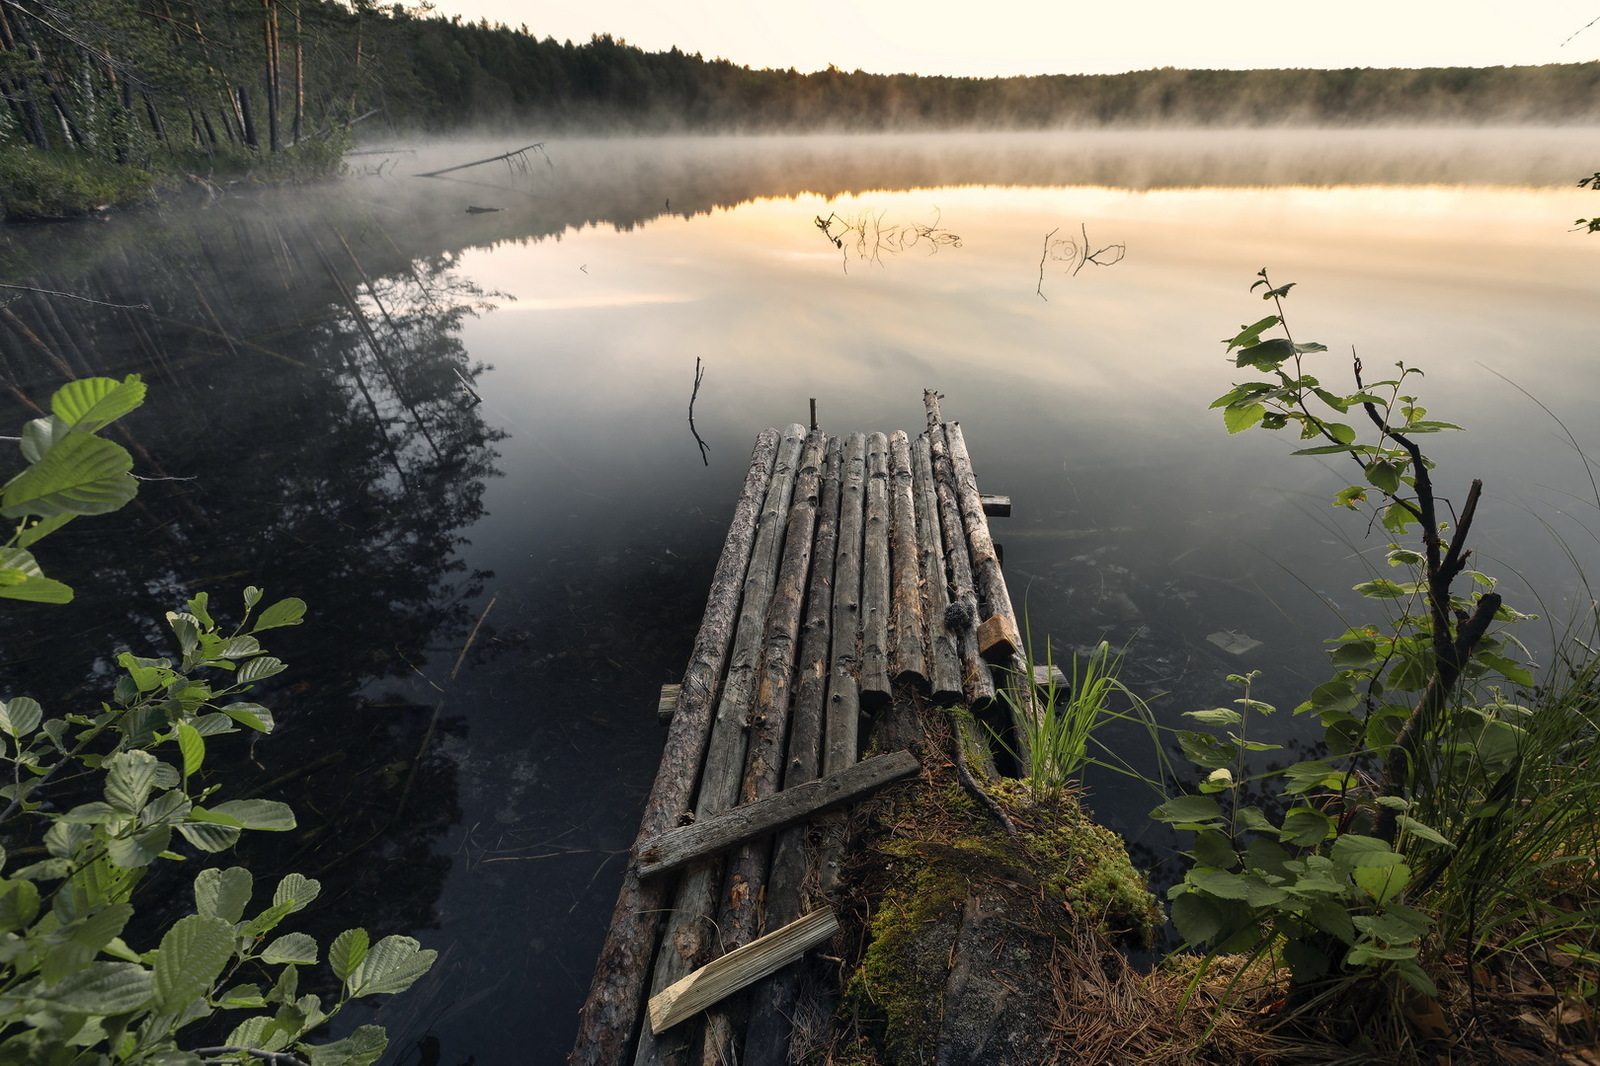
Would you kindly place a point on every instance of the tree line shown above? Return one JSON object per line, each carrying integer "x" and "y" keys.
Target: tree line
{"x": 127, "y": 82}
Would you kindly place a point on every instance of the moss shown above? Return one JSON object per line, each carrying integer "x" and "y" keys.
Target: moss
{"x": 1085, "y": 862}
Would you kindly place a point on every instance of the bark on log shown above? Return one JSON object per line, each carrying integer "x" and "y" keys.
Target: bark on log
{"x": 945, "y": 658}
{"x": 687, "y": 939}
{"x": 744, "y": 885}
{"x": 842, "y": 733}
{"x": 909, "y": 661}
{"x": 612, "y": 1011}
{"x": 963, "y": 620}
{"x": 683, "y": 845}
{"x": 875, "y": 690}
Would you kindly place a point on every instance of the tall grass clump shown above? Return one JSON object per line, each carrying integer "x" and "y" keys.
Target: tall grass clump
{"x": 1056, "y": 723}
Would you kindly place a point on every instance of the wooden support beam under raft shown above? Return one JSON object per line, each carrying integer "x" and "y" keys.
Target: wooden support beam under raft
{"x": 852, "y": 574}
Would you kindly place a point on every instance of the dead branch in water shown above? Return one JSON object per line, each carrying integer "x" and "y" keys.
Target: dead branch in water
{"x": 699, "y": 375}
{"x": 870, "y": 238}
{"x": 517, "y": 158}
{"x": 1072, "y": 252}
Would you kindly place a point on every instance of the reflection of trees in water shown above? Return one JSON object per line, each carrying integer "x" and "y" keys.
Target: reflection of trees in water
{"x": 867, "y": 235}
{"x": 310, "y": 397}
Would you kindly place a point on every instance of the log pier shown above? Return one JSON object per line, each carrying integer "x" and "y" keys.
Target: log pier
{"x": 855, "y": 568}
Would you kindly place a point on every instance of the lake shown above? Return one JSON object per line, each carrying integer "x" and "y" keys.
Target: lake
{"x": 463, "y": 437}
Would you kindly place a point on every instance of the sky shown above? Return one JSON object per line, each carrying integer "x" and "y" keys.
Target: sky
{"x": 984, "y": 38}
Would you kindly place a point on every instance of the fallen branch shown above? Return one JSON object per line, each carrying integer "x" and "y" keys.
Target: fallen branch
{"x": 480, "y": 162}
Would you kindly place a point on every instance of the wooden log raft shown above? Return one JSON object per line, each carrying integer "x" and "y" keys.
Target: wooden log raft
{"x": 847, "y": 560}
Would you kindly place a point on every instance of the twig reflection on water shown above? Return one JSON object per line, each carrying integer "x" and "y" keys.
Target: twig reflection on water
{"x": 699, "y": 375}
{"x": 866, "y": 234}
{"x": 1076, "y": 254}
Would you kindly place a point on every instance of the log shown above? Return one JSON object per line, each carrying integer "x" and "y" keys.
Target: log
{"x": 769, "y": 719}
{"x": 908, "y": 660}
{"x": 842, "y": 732}
{"x": 991, "y": 585}
{"x": 875, "y": 690}
{"x": 611, "y": 1013}
{"x": 682, "y": 845}
{"x": 772, "y": 1002}
{"x": 687, "y": 939}
{"x": 667, "y": 703}
{"x": 744, "y": 885}
{"x": 736, "y": 970}
{"x": 943, "y": 655}
{"x": 963, "y": 620}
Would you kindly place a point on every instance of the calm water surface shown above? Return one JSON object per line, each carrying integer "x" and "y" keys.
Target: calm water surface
{"x": 563, "y": 530}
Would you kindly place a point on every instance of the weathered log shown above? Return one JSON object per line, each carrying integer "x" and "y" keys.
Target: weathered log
{"x": 963, "y": 618}
{"x": 769, "y": 719}
{"x": 744, "y": 885}
{"x": 908, "y": 660}
{"x": 682, "y": 845}
{"x": 945, "y": 672}
{"x": 733, "y": 971}
{"x": 611, "y": 1013}
{"x": 842, "y": 733}
{"x": 875, "y": 690}
{"x": 688, "y": 937}
{"x": 771, "y": 1003}
{"x": 993, "y": 595}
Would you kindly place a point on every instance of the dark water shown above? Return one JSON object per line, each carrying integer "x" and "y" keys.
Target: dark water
{"x": 498, "y": 588}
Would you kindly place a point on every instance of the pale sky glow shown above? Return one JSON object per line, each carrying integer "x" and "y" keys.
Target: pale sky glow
{"x": 1005, "y": 37}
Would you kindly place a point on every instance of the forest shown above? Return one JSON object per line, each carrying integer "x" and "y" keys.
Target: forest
{"x": 108, "y": 96}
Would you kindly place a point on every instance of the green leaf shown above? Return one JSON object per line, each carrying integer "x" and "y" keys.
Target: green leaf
{"x": 347, "y": 951}
{"x": 1198, "y": 917}
{"x": 296, "y": 890}
{"x": 297, "y": 948}
{"x": 286, "y": 612}
{"x": 1356, "y": 653}
{"x": 190, "y": 960}
{"x": 257, "y": 814}
{"x": 140, "y": 849}
{"x": 104, "y": 988}
{"x": 1422, "y": 832}
{"x": 392, "y": 965}
{"x": 24, "y": 580}
{"x": 1305, "y": 962}
{"x": 1383, "y": 589}
{"x": 1188, "y": 809}
{"x": 1238, "y": 419}
{"x": 1249, "y": 335}
{"x": 209, "y": 836}
{"x": 81, "y": 475}
{"x": 259, "y": 1034}
{"x": 129, "y": 777}
{"x": 19, "y": 904}
{"x": 363, "y": 1047}
{"x": 20, "y": 716}
{"x": 1306, "y": 827}
{"x": 193, "y": 747}
{"x": 257, "y": 669}
{"x": 251, "y": 715}
{"x": 1353, "y": 850}
{"x": 1349, "y": 497}
{"x": 252, "y": 596}
{"x": 1205, "y": 750}
{"x": 223, "y": 893}
{"x": 1212, "y": 848}
{"x": 1384, "y": 475}
{"x": 89, "y": 404}
{"x": 1217, "y": 716}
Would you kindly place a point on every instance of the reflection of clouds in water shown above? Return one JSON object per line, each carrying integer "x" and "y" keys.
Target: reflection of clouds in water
{"x": 591, "y": 303}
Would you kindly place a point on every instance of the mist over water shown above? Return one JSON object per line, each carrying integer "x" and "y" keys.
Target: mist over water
{"x": 574, "y": 498}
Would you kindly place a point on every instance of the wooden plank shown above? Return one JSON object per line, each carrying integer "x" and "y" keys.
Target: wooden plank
{"x": 698, "y": 990}
{"x": 997, "y": 641}
{"x": 996, "y": 506}
{"x": 612, "y": 1011}
{"x": 908, "y": 658}
{"x": 875, "y": 690}
{"x": 687, "y": 940}
{"x": 945, "y": 671}
{"x": 682, "y": 845}
{"x": 667, "y": 703}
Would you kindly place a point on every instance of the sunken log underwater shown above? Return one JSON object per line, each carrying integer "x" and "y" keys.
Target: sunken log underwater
{"x": 829, "y": 865}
